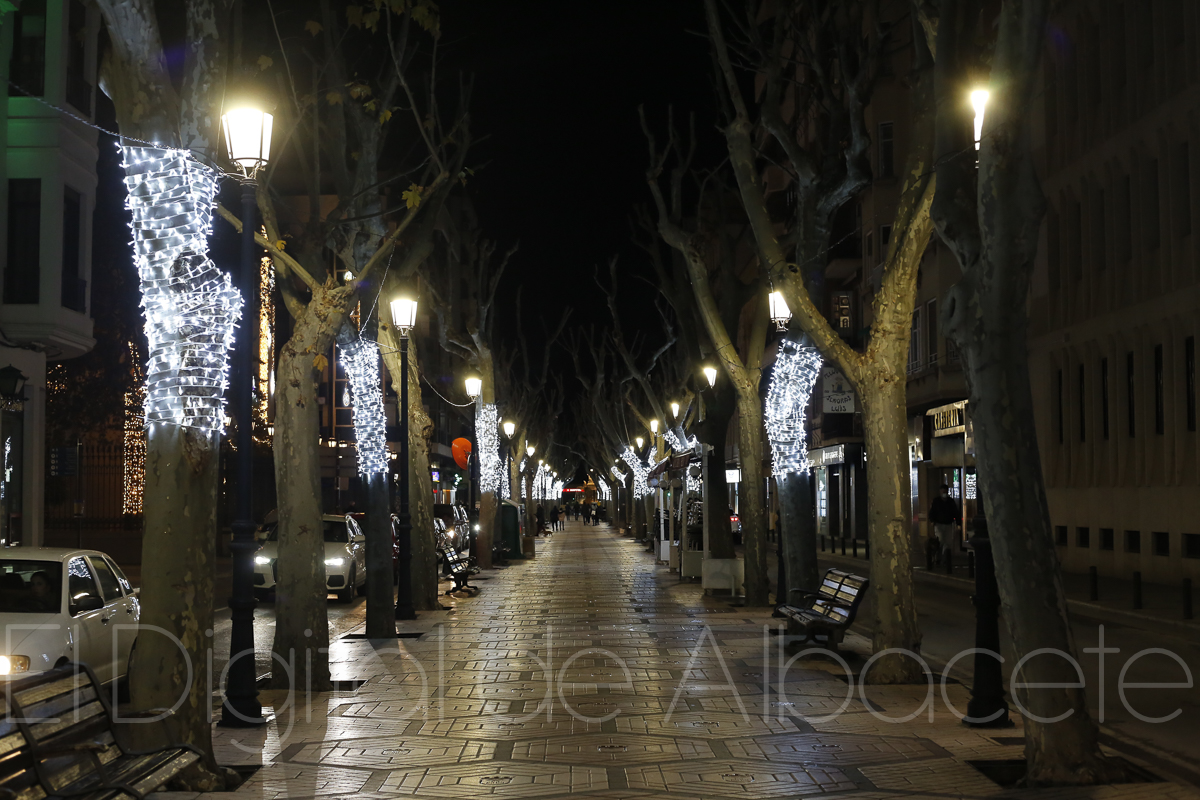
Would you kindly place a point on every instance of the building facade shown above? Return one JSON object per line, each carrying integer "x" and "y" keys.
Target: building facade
{"x": 47, "y": 195}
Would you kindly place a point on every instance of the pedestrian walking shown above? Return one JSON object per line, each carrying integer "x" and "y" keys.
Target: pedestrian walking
{"x": 944, "y": 513}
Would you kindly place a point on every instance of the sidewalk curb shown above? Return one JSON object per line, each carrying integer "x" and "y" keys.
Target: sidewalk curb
{"x": 1079, "y": 608}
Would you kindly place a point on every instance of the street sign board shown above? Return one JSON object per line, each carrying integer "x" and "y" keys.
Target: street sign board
{"x": 837, "y": 396}
{"x": 64, "y": 462}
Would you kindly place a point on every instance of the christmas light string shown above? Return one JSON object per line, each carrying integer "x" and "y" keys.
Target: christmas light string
{"x": 677, "y": 445}
{"x": 190, "y": 307}
{"x": 795, "y": 373}
{"x": 360, "y": 359}
{"x": 616, "y": 473}
{"x": 487, "y": 424}
{"x": 605, "y": 492}
{"x": 640, "y": 470}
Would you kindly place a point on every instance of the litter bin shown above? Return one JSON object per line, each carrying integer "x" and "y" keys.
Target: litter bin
{"x": 510, "y": 528}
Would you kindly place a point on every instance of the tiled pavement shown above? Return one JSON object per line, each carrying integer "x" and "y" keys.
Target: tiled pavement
{"x": 590, "y": 672}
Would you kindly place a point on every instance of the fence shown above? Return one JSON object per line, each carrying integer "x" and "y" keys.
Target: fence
{"x": 96, "y": 522}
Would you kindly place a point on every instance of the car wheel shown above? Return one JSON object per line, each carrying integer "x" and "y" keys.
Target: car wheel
{"x": 347, "y": 595}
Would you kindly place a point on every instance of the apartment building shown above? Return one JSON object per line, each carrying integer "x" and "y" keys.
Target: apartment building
{"x": 47, "y": 195}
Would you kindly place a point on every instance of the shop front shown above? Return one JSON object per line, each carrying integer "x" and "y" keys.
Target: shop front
{"x": 948, "y": 460}
{"x": 840, "y": 485}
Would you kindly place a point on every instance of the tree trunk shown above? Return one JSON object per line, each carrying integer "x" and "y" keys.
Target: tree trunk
{"x": 751, "y": 513}
{"x": 488, "y": 506}
{"x": 424, "y": 570}
{"x": 798, "y": 529}
{"x": 177, "y": 593}
{"x": 885, "y": 428}
{"x": 302, "y": 622}
{"x": 381, "y": 600}
{"x": 716, "y": 503}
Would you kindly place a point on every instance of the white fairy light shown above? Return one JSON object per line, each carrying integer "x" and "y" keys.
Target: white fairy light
{"x": 361, "y": 362}
{"x": 620, "y": 476}
{"x": 522, "y": 486}
{"x": 676, "y": 445}
{"x": 191, "y": 307}
{"x": 505, "y": 485}
{"x": 694, "y": 484}
{"x": 640, "y": 470}
{"x": 605, "y": 492}
{"x": 557, "y": 489}
{"x": 795, "y": 373}
{"x": 486, "y": 426}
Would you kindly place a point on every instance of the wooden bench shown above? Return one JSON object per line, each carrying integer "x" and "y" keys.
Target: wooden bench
{"x": 827, "y": 612}
{"x": 57, "y": 739}
{"x": 455, "y": 564}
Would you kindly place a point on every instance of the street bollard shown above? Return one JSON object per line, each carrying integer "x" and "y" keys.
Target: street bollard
{"x": 970, "y": 563}
{"x": 1187, "y": 598}
{"x": 987, "y": 707}
{"x": 1137, "y": 590}
{"x": 843, "y": 545}
{"x": 854, "y": 547}
{"x": 822, "y": 543}
{"x": 1093, "y": 584}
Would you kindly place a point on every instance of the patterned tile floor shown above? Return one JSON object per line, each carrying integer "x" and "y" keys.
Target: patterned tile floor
{"x": 591, "y": 672}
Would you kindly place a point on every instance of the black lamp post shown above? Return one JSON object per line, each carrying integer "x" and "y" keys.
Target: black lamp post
{"x": 987, "y": 707}
{"x": 248, "y": 140}
{"x": 404, "y": 317}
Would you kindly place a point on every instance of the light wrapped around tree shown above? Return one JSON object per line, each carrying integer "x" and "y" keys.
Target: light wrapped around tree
{"x": 640, "y": 471}
{"x": 678, "y": 446}
{"x": 795, "y": 373}
{"x": 190, "y": 306}
{"x": 490, "y": 466}
{"x": 620, "y": 476}
{"x": 605, "y": 492}
{"x": 361, "y": 362}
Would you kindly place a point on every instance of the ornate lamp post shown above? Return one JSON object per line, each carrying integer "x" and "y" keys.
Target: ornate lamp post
{"x": 711, "y": 374}
{"x": 404, "y": 317}
{"x": 248, "y": 140}
{"x": 781, "y": 315}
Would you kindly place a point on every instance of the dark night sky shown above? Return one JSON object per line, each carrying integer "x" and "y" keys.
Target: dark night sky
{"x": 557, "y": 91}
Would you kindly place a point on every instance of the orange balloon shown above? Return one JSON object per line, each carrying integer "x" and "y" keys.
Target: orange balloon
{"x": 461, "y": 449}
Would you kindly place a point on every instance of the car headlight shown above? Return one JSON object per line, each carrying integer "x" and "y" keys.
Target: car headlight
{"x": 261, "y": 560}
{"x": 10, "y": 665}
{"x": 334, "y": 562}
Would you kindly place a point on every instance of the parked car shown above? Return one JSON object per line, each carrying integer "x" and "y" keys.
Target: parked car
{"x": 345, "y": 557}
{"x": 59, "y": 605}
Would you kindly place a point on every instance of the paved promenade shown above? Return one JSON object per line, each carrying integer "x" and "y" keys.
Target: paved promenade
{"x": 590, "y": 672}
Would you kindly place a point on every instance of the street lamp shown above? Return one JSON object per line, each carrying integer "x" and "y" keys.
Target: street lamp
{"x": 640, "y": 441}
{"x": 711, "y": 374}
{"x": 675, "y": 410}
{"x": 654, "y": 426}
{"x": 530, "y": 450}
{"x": 979, "y": 101}
{"x": 509, "y": 429}
{"x": 781, "y": 315}
{"x": 404, "y": 317}
{"x": 248, "y": 142}
{"x": 474, "y": 387}
{"x": 12, "y": 385}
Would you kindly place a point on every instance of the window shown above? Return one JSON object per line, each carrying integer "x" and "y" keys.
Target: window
{"x": 80, "y": 580}
{"x": 109, "y": 586}
{"x": 1189, "y": 380}
{"x": 1162, "y": 543}
{"x": 1130, "y": 390}
{"x": 1160, "y": 416}
{"x": 1083, "y": 537}
{"x": 1133, "y": 541}
{"x": 23, "y": 274}
{"x": 1106, "y": 538}
{"x": 1191, "y": 545}
{"x": 27, "y": 65}
{"x": 887, "y": 150}
{"x": 1150, "y": 204}
{"x": 1058, "y": 403}
{"x": 914, "y": 341}
{"x": 1182, "y": 201}
{"x": 1104, "y": 397}
{"x": 931, "y": 339}
{"x": 1082, "y": 405}
{"x": 1060, "y": 535}
{"x": 885, "y": 236}
{"x": 74, "y": 288}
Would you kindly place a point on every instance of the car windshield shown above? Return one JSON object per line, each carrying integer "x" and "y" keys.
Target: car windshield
{"x": 32, "y": 587}
{"x": 334, "y": 530}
